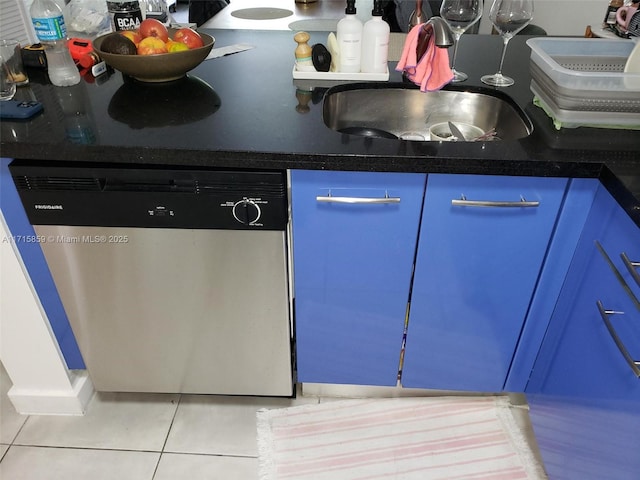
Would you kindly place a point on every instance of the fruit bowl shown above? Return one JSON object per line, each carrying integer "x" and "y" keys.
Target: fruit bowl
{"x": 162, "y": 67}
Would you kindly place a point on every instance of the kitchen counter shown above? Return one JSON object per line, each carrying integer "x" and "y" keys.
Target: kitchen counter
{"x": 246, "y": 111}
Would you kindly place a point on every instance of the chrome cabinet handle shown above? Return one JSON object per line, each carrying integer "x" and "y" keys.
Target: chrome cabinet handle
{"x": 632, "y": 267}
{"x": 358, "y": 200}
{"x": 617, "y": 274}
{"x": 463, "y": 202}
{"x": 634, "y": 364}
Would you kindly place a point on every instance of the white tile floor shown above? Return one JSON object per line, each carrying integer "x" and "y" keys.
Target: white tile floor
{"x": 145, "y": 437}
{"x": 137, "y": 437}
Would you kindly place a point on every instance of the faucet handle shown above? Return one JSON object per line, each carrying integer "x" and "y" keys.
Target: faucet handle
{"x": 416, "y": 16}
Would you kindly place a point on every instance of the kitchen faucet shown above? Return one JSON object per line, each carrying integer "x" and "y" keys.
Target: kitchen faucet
{"x": 434, "y": 27}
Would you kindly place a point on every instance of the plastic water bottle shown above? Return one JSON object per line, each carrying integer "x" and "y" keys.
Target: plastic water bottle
{"x": 48, "y": 22}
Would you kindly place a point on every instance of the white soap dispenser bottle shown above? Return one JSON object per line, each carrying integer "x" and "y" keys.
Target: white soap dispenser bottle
{"x": 375, "y": 42}
{"x": 349, "y": 36}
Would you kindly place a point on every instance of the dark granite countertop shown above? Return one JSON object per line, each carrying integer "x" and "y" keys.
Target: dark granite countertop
{"x": 241, "y": 111}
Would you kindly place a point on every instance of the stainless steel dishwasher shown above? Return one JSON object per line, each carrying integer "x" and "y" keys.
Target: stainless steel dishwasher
{"x": 173, "y": 280}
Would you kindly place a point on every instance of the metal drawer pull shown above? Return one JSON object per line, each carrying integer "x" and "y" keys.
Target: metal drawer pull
{"x": 617, "y": 274}
{"x": 358, "y": 200}
{"x": 632, "y": 267}
{"x": 634, "y": 364}
{"x": 463, "y": 202}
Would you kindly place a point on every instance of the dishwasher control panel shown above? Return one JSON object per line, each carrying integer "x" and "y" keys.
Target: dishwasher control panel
{"x": 161, "y": 211}
{"x": 148, "y": 197}
{"x": 247, "y": 211}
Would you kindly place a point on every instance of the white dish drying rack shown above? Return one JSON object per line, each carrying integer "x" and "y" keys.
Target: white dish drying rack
{"x": 581, "y": 81}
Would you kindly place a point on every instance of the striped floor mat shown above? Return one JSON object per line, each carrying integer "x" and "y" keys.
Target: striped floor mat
{"x": 427, "y": 438}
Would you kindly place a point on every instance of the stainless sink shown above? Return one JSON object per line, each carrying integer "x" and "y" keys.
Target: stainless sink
{"x": 400, "y": 110}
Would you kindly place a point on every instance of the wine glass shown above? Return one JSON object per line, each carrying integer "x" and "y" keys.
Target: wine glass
{"x": 509, "y": 17}
{"x": 460, "y": 15}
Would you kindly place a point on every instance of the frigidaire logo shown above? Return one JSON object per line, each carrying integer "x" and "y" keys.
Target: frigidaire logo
{"x": 48, "y": 207}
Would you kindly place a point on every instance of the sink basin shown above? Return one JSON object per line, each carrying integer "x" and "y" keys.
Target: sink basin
{"x": 399, "y": 110}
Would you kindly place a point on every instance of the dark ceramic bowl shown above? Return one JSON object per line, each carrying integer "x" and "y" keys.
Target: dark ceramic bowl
{"x": 162, "y": 67}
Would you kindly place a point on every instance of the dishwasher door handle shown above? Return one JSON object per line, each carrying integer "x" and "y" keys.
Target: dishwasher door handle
{"x": 358, "y": 200}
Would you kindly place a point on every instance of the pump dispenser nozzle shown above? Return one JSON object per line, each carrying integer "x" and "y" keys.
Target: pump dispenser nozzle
{"x": 351, "y": 7}
{"x": 377, "y": 9}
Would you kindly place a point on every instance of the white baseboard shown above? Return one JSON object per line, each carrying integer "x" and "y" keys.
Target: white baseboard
{"x": 59, "y": 402}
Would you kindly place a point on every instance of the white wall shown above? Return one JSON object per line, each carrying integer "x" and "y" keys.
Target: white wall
{"x": 42, "y": 384}
{"x": 560, "y": 17}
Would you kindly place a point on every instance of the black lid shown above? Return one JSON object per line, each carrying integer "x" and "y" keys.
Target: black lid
{"x": 351, "y": 7}
{"x": 377, "y": 8}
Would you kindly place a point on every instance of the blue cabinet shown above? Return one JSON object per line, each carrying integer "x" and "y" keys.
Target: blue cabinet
{"x": 354, "y": 239}
{"x": 476, "y": 270}
{"x": 584, "y": 392}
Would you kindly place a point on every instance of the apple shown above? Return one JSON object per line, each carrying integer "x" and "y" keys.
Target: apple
{"x": 132, "y": 35}
{"x": 151, "y": 46}
{"x": 173, "y": 46}
{"x": 151, "y": 27}
{"x": 189, "y": 37}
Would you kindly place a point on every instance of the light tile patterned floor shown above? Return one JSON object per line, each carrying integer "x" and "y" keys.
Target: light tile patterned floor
{"x": 145, "y": 437}
{"x": 136, "y": 437}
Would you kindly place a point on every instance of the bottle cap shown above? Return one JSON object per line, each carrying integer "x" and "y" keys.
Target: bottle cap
{"x": 351, "y": 7}
{"x": 377, "y": 8}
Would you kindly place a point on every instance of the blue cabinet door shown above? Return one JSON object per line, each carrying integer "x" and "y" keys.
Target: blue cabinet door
{"x": 352, "y": 272}
{"x": 584, "y": 393}
{"x": 476, "y": 270}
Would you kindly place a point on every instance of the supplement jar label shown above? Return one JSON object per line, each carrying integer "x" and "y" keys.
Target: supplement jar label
{"x": 125, "y": 15}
